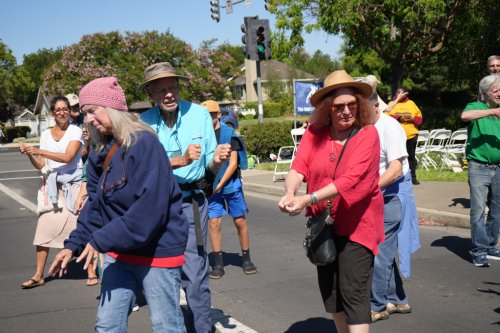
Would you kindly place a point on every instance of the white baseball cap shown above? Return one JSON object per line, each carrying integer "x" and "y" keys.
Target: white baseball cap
{"x": 73, "y": 99}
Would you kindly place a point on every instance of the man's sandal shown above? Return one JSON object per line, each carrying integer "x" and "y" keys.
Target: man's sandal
{"x": 382, "y": 315}
{"x": 32, "y": 283}
{"x": 92, "y": 281}
{"x": 400, "y": 308}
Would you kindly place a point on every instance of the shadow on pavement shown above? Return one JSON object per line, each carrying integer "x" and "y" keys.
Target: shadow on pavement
{"x": 317, "y": 324}
{"x": 460, "y": 201}
{"x": 229, "y": 259}
{"x": 458, "y": 245}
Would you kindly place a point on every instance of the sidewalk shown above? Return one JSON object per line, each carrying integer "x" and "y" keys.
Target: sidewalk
{"x": 442, "y": 202}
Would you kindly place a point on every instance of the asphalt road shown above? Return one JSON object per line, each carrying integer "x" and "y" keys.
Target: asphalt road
{"x": 447, "y": 292}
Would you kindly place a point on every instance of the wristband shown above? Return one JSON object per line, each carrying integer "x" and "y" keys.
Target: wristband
{"x": 314, "y": 198}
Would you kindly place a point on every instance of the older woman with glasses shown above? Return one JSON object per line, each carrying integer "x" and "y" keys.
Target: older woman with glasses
{"x": 133, "y": 215}
{"x": 59, "y": 152}
{"x": 339, "y": 159}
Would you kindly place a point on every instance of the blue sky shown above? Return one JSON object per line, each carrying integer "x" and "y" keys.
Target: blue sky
{"x": 29, "y": 25}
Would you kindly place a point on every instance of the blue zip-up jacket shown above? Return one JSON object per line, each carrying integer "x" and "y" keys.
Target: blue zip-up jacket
{"x": 226, "y": 135}
{"x": 141, "y": 216}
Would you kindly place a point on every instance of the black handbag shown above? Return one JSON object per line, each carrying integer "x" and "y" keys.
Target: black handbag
{"x": 319, "y": 243}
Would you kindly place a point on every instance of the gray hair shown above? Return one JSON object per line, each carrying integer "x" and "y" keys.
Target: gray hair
{"x": 490, "y": 59}
{"x": 126, "y": 126}
{"x": 486, "y": 83}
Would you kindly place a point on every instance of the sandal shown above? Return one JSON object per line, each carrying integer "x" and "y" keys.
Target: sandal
{"x": 92, "y": 281}
{"x": 400, "y": 308}
{"x": 382, "y": 315}
{"x": 32, "y": 283}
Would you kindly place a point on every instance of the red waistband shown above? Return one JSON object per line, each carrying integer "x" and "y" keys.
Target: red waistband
{"x": 164, "y": 262}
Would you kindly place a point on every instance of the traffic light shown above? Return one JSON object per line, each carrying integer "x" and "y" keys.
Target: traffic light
{"x": 256, "y": 38}
{"x": 215, "y": 9}
{"x": 267, "y": 5}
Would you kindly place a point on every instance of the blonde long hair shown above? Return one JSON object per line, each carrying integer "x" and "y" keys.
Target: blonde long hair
{"x": 126, "y": 126}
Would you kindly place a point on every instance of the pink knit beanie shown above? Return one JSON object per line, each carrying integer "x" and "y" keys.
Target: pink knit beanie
{"x": 104, "y": 91}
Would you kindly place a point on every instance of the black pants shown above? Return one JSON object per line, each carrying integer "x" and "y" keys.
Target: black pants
{"x": 411, "y": 146}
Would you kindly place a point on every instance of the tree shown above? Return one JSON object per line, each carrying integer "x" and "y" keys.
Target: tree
{"x": 36, "y": 64}
{"x": 14, "y": 83}
{"x": 403, "y": 33}
{"x": 126, "y": 56}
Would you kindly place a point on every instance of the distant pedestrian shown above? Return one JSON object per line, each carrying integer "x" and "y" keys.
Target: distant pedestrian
{"x": 407, "y": 113}
{"x": 483, "y": 156}
{"x": 346, "y": 184}
{"x": 228, "y": 192}
{"x": 133, "y": 215}
{"x": 400, "y": 219}
{"x": 493, "y": 67}
{"x": 186, "y": 132}
{"x": 59, "y": 154}
{"x": 75, "y": 112}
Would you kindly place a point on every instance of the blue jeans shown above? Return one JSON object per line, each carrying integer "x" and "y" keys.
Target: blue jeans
{"x": 387, "y": 285}
{"x": 195, "y": 273}
{"x": 120, "y": 283}
{"x": 484, "y": 183}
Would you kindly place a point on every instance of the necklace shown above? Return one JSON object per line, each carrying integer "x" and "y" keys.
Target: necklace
{"x": 333, "y": 154}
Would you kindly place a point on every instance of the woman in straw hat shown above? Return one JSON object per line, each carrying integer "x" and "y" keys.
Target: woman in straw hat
{"x": 133, "y": 215}
{"x": 339, "y": 158}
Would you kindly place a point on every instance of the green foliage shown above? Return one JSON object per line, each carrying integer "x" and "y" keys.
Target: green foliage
{"x": 125, "y": 56}
{"x": 264, "y": 139}
{"x": 15, "y": 132}
{"x": 439, "y": 117}
{"x": 282, "y": 107}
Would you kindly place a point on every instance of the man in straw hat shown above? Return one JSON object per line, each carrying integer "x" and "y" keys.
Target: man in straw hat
{"x": 185, "y": 130}
{"x": 339, "y": 158}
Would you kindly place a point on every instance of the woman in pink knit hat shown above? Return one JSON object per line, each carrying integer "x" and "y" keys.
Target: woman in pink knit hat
{"x": 133, "y": 215}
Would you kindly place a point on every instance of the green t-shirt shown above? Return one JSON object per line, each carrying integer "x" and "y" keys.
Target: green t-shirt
{"x": 483, "y": 143}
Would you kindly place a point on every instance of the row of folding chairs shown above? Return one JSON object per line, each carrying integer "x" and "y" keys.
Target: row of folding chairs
{"x": 441, "y": 148}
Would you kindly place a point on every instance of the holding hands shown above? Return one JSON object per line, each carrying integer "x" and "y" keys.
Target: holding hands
{"x": 293, "y": 205}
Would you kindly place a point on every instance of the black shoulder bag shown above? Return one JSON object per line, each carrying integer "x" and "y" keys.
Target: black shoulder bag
{"x": 319, "y": 243}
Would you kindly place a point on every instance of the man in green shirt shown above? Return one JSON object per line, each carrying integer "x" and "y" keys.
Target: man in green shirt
{"x": 483, "y": 155}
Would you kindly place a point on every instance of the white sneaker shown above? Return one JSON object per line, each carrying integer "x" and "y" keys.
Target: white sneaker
{"x": 135, "y": 308}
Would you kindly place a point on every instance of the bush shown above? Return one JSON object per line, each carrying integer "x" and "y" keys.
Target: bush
{"x": 267, "y": 138}
{"x": 15, "y": 132}
{"x": 277, "y": 109}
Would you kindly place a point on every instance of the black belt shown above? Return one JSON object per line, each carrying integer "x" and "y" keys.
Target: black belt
{"x": 199, "y": 184}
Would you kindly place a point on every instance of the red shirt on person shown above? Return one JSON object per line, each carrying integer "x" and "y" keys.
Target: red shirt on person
{"x": 358, "y": 211}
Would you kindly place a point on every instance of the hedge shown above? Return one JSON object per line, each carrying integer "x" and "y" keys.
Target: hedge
{"x": 15, "y": 132}
{"x": 262, "y": 140}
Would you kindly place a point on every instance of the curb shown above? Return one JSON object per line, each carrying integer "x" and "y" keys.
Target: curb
{"x": 446, "y": 218}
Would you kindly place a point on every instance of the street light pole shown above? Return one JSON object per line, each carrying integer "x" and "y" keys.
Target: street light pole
{"x": 259, "y": 94}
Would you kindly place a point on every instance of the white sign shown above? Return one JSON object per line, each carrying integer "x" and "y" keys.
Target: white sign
{"x": 248, "y": 3}
{"x": 229, "y": 6}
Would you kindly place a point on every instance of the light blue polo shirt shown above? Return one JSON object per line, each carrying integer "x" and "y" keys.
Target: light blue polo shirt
{"x": 194, "y": 125}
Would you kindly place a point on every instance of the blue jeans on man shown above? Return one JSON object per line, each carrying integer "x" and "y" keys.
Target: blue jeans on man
{"x": 387, "y": 285}
{"x": 122, "y": 281}
{"x": 484, "y": 184}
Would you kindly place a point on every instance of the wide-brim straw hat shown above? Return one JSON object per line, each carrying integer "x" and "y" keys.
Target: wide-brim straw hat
{"x": 340, "y": 79}
{"x": 159, "y": 71}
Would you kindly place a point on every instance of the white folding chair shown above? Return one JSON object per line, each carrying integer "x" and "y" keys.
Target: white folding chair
{"x": 283, "y": 162}
{"x": 438, "y": 139}
{"x": 297, "y": 134}
{"x": 454, "y": 147}
{"x": 423, "y": 137}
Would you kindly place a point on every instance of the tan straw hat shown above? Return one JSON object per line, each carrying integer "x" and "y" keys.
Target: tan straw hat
{"x": 340, "y": 79}
{"x": 212, "y": 106}
{"x": 159, "y": 71}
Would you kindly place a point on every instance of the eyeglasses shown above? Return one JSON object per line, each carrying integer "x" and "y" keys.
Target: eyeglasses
{"x": 61, "y": 110}
{"x": 174, "y": 148}
{"x": 353, "y": 106}
{"x": 106, "y": 188}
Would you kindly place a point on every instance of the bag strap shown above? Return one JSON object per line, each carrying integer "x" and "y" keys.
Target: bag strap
{"x": 109, "y": 155}
{"x": 351, "y": 134}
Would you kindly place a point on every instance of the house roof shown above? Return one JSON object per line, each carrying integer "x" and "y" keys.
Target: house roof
{"x": 274, "y": 69}
{"x": 26, "y": 113}
{"x": 41, "y": 100}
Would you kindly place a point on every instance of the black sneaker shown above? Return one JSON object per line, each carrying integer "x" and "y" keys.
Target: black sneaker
{"x": 217, "y": 272}
{"x": 415, "y": 182}
{"x": 248, "y": 267}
